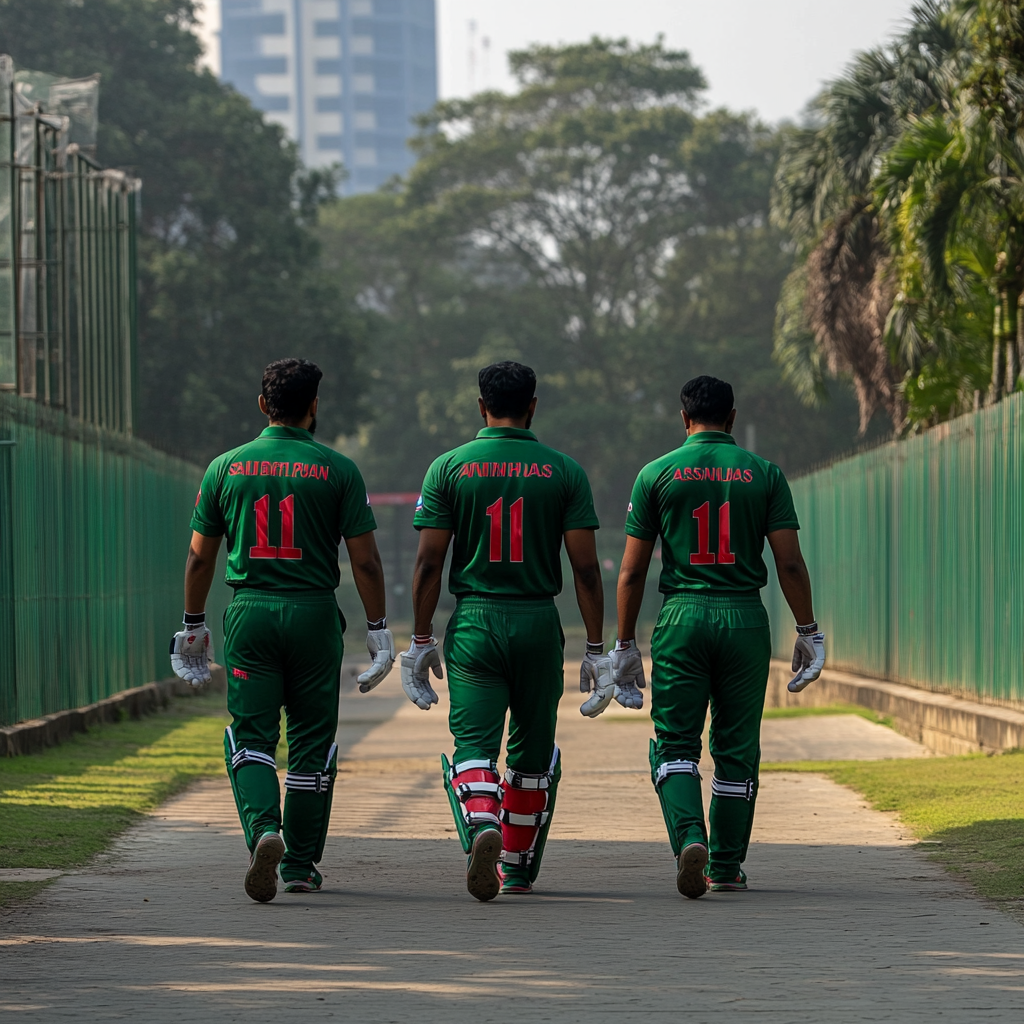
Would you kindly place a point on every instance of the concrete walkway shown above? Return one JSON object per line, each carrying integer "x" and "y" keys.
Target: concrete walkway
{"x": 845, "y": 921}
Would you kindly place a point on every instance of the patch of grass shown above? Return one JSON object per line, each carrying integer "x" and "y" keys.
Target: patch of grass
{"x": 64, "y": 805}
{"x": 970, "y": 805}
{"x": 20, "y": 892}
{"x": 828, "y": 709}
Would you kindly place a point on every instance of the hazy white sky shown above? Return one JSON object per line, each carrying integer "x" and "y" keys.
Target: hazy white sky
{"x": 764, "y": 55}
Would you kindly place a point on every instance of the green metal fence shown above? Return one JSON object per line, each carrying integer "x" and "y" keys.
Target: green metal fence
{"x": 93, "y": 535}
{"x": 917, "y": 558}
{"x": 93, "y": 524}
{"x": 67, "y": 255}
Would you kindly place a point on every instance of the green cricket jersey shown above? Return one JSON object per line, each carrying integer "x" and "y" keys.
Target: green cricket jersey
{"x": 284, "y": 502}
{"x": 508, "y": 498}
{"x": 712, "y": 503}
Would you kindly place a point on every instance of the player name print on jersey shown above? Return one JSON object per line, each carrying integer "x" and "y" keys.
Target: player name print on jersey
{"x": 293, "y": 469}
{"x": 720, "y": 474}
{"x": 498, "y": 469}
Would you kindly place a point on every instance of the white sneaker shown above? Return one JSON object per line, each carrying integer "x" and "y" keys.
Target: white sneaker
{"x": 261, "y": 878}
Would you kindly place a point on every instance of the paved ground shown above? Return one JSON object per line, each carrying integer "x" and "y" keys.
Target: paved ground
{"x": 846, "y": 922}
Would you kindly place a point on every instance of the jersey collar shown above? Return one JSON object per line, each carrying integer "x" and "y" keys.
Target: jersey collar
{"x": 710, "y": 437}
{"x": 294, "y": 432}
{"x": 519, "y": 432}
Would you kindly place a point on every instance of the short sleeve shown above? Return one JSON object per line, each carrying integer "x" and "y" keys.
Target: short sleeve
{"x": 208, "y": 517}
{"x": 642, "y": 514}
{"x": 355, "y": 517}
{"x": 433, "y": 509}
{"x": 579, "y": 509}
{"x": 781, "y": 513}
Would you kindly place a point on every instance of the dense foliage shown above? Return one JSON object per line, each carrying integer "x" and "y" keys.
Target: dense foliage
{"x": 229, "y": 267}
{"x": 597, "y": 225}
{"x": 905, "y": 200}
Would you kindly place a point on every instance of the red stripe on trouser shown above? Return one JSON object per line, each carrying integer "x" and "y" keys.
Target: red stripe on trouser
{"x": 517, "y": 838}
{"x": 485, "y": 804}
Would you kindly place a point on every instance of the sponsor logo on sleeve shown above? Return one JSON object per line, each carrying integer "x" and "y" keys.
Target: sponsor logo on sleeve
{"x": 198, "y": 496}
{"x": 419, "y": 503}
{"x": 629, "y": 507}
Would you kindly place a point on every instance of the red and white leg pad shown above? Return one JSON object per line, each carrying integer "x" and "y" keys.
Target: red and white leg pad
{"x": 524, "y": 811}
{"x": 478, "y": 788}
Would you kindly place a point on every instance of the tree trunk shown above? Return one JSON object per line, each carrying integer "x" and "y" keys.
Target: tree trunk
{"x": 995, "y": 388}
{"x": 1010, "y": 321}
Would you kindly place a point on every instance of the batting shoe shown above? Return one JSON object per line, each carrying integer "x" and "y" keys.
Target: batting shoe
{"x": 482, "y": 878}
{"x": 261, "y": 878}
{"x": 313, "y": 882}
{"x": 690, "y": 864}
{"x": 515, "y": 881}
{"x": 738, "y": 884}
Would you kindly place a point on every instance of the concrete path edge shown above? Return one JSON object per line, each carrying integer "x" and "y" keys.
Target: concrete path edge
{"x": 940, "y": 721}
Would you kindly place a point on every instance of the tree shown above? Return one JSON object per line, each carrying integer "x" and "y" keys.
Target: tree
{"x": 230, "y": 276}
{"x": 953, "y": 188}
{"x": 833, "y": 316}
{"x": 593, "y": 224}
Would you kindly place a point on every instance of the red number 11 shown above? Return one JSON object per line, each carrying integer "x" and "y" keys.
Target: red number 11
{"x": 704, "y": 555}
{"x": 263, "y": 548}
{"x": 515, "y": 515}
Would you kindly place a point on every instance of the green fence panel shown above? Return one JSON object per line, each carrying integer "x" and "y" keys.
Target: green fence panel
{"x": 916, "y": 557}
{"x": 93, "y": 537}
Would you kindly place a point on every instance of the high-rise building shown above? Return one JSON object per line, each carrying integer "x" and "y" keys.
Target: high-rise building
{"x": 343, "y": 77}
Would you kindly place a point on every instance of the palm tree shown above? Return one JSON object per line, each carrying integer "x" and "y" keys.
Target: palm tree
{"x": 835, "y": 306}
{"x": 952, "y": 188}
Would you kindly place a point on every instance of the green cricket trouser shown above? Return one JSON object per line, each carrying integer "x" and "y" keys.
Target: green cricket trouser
{"x": 284, "y": 649}
{"x": 504, "y": 655}
{"x": 710, "y": 648}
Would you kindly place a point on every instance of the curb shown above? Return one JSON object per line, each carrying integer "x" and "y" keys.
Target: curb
{"x": 38, "y": 733}
{"x": 939, "y": 721}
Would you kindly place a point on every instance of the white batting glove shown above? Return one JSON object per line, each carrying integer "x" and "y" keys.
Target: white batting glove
{"x": 191, "y": 653}
{"x": 381, "y": 645}
{"x": 808, "y": 656}
{"x": 596, "y": 679}
{"x": 417, "y": 663}
{"x": 628, "y": 672}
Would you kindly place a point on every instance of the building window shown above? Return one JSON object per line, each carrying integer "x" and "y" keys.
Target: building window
{"x": 327, "y": 28}
{"x": 273, "y": 104}
{"x": 328, "y": 66}
{"x": 363, "y": 83}
{"x": 328, "y": 142}
{"x": 328, "y": 104}
{"x": 362, "y": 45}
{"x": 366, "y": 157}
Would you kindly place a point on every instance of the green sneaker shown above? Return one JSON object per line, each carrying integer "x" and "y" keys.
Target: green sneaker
{"x": 514, "y": 880}
{"x": 261, "y": 878}
{"x": 482, "y": 879}
{"x": 690, "y": 864}
{"x": 313, "y": 882}
{"x": 738, "y": 884}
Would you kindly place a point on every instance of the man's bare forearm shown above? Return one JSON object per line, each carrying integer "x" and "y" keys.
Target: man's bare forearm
{"x": 368, "y": 574}
{"x": 426, "y": 591}
{"x": 795, "y": 582}
{"x": 793, "y": 576}
{"x": 369, "y": 580}
{"x": 590, "y": 598}
{"x": 200, "y": 569}
{"x": 629, "y": 592}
